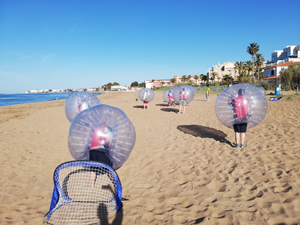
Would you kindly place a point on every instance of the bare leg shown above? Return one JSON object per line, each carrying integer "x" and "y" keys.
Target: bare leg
{"x": 179, "y": 109}
{"x": 183, "y": 109}
{"x": 243, "y": 138}
{"x": 237, "y": 138}
{"x": 93, "y": 179}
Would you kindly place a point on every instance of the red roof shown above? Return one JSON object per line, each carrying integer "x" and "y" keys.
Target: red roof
{"x": 267, "y": 78}
{"x": 281, "y": 64}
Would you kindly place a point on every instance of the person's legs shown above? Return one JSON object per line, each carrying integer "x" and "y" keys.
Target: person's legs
{"x": 237, "y": 138}
{"x": 93, "y": 179}
{"x": 183, "y": 110}
{"x": 237, "y": 135}
{"x": 243, "y": 134}
{"x": 98, "y": 156}
{"x": 243, "y": 139}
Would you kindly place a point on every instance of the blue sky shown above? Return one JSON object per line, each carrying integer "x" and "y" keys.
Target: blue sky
{"x": 88, "y": 43}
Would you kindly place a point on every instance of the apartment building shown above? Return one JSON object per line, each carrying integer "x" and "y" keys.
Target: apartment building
{"x": 222, "y": 69}
{"x": 158, "y": 83}
{"x": 289, "y": 54}
{"x": 281, "y": 59}
{"x": 178, "y": 80}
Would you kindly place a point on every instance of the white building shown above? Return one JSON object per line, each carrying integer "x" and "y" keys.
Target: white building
{"x": 274, "y": 70}
{"x": 288, "y": 54}
{"x": 119, "y": 88}
{"x": 281, "y": 59}
{"x": 158, "y": 83}
{"x": 148, "y": 84}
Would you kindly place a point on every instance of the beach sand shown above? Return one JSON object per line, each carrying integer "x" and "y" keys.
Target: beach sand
{"x": 182, "y": 170}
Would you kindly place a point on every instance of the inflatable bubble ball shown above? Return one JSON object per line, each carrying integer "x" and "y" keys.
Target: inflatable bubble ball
{"x": 168, "y": 95}
{"x": 105, "y": 129}
{"x": 194, "y": 91}
{"x": 146, "y": 94}
{"x": 183, "y": 92}
{"x": 78, "y": 101}
{"x": 241, "y": 103}
{"x": 262, "y": 90}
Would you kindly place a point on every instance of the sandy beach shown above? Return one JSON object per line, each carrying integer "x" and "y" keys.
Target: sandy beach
{"x": 182, "y": 170}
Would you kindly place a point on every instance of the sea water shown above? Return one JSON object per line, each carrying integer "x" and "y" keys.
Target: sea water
{"x": 15, "y": 99}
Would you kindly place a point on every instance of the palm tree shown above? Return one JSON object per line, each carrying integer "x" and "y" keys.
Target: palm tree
{"x": 238, "y": 66}
{"x": 259, "y": 62}
{"x": 213, "y": 75}
{"x": 248, "y": 66}
{"x": 252, "y": 50}
{"x": 183, "y": 78}
{"x": 227, "y": 79}
{"x": 189, "y": 78}
{"x": 196, "y": 78}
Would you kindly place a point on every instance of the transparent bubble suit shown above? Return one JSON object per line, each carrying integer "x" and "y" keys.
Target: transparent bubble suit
{"x": 78, "y": 101}
{"x": 118, "y": 134}
{"x": 241, "y": 103}
{"x": 146, "y": 94}
{"x": 189, "y": 93}
{"x": 166, "y": 94}
{"x": 262, "y": 90}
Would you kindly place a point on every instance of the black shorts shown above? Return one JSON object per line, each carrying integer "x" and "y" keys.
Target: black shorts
{"x": 101, "y": 157}
{"x": 240, "y": 128}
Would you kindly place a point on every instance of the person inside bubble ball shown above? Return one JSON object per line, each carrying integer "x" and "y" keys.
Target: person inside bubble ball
{"x": 182, "y": 102}
{"x": 240, "y": 116}
{"x": 100, "y": 145}
{"x": 82, "y": 106}
{"x": 145, "y": 100}
{"x": 171, "y": 99}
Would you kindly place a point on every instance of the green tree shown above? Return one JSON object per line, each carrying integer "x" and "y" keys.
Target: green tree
{"x": 252, "y": 50}
{"x": 183, "y": 78}
{"x": 213, "y": 76}
{"x": 142, "y": 84}
{"x": 259, "y": 62}
{"x": 290, "y": 77}
{"x": 172, "y": 80}
{"x": 196, "y": 78}
{"x": 227, "y": 79}
{"x": 115, "y": 83}
{"x": 238, "y": 67}
{"x": 134, "y": 84}
{"x": 248, "y": 66}
{"x": 107, "y": 86}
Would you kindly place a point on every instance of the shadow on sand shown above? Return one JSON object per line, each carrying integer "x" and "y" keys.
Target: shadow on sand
{"x": 205, "y": 132}
{"x": 170, "y": 110}
{"x": 164, "y": 105}
{"x": 138, "y": 106}
{"x": 103, "y": 214}
{"x": 104, "y": 220}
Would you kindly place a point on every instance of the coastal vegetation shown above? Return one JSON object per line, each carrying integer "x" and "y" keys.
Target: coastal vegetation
{"x": 290, "y": 77}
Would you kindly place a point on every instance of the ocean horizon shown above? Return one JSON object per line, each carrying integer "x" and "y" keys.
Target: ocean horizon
{"x": 17, "y": 99}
